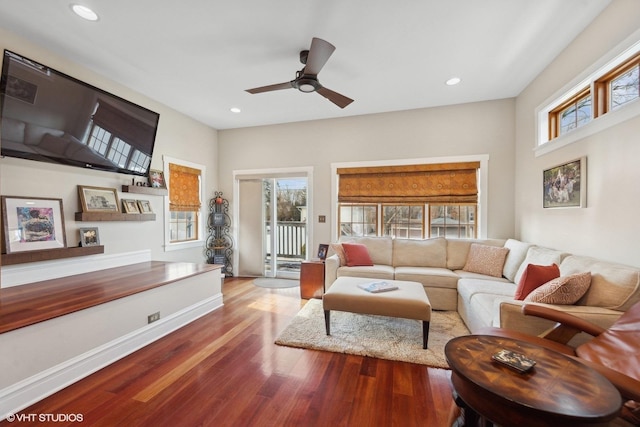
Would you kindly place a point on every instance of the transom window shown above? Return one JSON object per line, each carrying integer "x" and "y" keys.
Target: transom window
{"x": 612, "y": 88}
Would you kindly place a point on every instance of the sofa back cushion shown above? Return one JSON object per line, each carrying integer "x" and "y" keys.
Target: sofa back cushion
{"x": 541, "y": 256}
{"x": 613, "y": 286}
{"x": 420, "y": 253}
{"x": 380, "y": 248}
{"x": 458, "y": 250}
{"x": 515, "y": 258}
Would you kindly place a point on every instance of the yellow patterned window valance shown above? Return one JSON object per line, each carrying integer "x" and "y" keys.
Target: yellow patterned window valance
{"x": 184, "y": 188}
{"x": 428, "y": 183}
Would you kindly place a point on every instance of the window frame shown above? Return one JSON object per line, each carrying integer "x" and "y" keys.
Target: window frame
{"x": 426, "y": 225}
{"x": 616, "y": 63}
{"x": 200, "y": 238}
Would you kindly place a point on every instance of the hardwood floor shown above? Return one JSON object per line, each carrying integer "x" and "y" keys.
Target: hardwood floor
{"x": 225, "y": 370}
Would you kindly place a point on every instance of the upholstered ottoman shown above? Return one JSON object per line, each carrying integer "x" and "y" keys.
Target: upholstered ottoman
{"x": 409, "y": 301}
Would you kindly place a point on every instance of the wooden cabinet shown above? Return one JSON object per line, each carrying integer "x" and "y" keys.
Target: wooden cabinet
{"x": 311, "y": 279}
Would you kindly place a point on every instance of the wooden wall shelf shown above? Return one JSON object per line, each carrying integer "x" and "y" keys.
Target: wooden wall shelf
{"x": 145, "y": 190}
{"x": 50, "y": 254}
{"x": 114, "y": 216}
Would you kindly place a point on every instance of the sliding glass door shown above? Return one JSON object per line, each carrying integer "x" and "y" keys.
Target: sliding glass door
{"x": 285, "y": 237}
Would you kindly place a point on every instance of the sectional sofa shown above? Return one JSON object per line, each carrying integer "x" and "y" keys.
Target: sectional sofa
{"x": 482, "y": 300}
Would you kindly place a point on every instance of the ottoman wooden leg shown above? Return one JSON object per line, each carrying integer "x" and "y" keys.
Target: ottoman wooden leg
{"x": 425, "y": 333}
{"x": 327, "y": 316}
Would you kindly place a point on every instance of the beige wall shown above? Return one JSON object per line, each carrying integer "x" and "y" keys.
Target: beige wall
{"x": 178, "y": 136}
{"x": 608, "y": 227}
{"x": 483, "y": 128}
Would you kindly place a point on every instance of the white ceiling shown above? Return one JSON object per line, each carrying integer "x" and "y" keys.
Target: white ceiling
{"x": 199, "y": 56}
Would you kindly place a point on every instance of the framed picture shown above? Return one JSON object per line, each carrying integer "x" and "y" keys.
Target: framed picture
{"x": 322, "y": 251}
{"x": 565, "y": 185}
{"x": 21, "y": 89}
{"x": 130, "y": 206}
{"x": 89, "y": 236}
{"x": 156, "y": 179}
{"x": 218, "y": 218}
{"x": 32, "y": 223}
{"x": 144, "y": 206}
{"x": 98, "y": 199}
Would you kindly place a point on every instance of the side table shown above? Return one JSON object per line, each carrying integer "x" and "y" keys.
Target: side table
{"x": 311, "y": 279}
{"x": 558, "y": 391}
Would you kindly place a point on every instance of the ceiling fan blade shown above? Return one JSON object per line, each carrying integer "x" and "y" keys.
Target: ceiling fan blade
{"x": 338, "y": 99}
{"x": 279, "y": 86}
{"x": 319, "y": 54}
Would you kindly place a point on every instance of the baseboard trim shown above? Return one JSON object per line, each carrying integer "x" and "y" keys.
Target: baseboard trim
{"x": 31, "y": 390}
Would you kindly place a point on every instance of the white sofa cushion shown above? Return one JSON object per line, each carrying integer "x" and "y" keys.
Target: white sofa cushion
{"x": 613, "y": 286}
{"x": 515, "y": 257}
{"x": 378, "y": 271}
{"x": 540, "y": 256}
{"x": 420, "y": 253}
{"x": 434, "y": 277}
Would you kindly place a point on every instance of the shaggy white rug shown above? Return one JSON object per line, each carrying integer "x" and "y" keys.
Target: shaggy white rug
{"x": 374, "y": 336}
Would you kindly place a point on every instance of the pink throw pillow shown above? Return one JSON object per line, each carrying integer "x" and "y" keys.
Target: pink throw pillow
{"x": 356, "y": 254}
{"x": 565, "y": 290}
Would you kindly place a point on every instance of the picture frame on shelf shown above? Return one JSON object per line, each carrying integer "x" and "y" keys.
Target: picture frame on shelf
{"x": 156, "y": 179}
{"x": 89, "y": 236}
{"x": 144, "y": 206}
{"x": 322, "y": 251}
{"x": 130, "y": 206}
{"x": 565, "y": 185}
{"x": 32, "y": 223}
{"x": 98, "y": 199}
{"x": 218, "y": 219}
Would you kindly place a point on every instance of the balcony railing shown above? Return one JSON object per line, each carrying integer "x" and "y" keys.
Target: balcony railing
{"x": 291, "y": 240}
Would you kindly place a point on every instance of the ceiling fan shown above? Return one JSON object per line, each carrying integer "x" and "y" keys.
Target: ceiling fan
{"x": 307, "y": 79}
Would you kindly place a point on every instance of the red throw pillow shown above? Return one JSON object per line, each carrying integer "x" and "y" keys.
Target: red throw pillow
{"x": 356, "y": 254}
{"x": 535, "y": 276}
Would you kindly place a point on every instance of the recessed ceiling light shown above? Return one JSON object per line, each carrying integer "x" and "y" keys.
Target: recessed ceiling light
{"x": 453, "y": 81}
{"x": 235, "y": 110}
{"x": 84, "y": 12}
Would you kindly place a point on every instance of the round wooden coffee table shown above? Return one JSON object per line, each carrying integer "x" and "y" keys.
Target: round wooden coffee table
{"x": 556, "y": 391}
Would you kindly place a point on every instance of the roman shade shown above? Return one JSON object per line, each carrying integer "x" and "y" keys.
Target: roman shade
{"x": 426, "y": 183}
{"x": 184, "y": 188}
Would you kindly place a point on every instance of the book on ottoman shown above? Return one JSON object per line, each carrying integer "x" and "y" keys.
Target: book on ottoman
{"x": 375, "y": 287}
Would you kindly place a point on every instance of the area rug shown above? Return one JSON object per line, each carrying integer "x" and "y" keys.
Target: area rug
{"x": 373, "y": 336}
{"x": 275, "y": 283}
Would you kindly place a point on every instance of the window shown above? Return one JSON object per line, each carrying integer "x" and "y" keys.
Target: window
{"x": 612, "y": 87}
{"x": 403, "y": 221}
{"x": 571, "y": 115}
{"x": 625, "y": 87}
{"x": 184, "y": 181}
{"x": 358, "y": 220}
{"x": 407, "y": 221}
{"x": 395, "y": 200}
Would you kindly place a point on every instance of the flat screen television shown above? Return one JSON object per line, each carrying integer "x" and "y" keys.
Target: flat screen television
{"x": 52, "y": 117}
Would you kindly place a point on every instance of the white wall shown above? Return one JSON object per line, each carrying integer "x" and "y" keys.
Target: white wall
{"x": 608, "y": 228}
{"x": 483, "y": 128}
{"x": 178, "y": 136}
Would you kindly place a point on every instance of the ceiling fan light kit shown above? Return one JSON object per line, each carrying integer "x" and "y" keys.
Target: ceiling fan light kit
{"x": 307, "y": 79}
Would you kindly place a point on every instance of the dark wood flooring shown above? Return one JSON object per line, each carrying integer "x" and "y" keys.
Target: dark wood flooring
{"x": 224, "y": 370}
